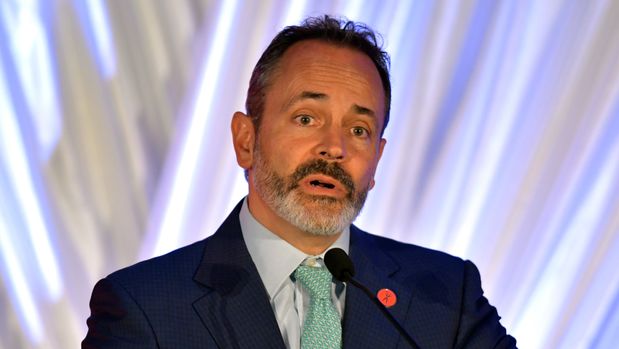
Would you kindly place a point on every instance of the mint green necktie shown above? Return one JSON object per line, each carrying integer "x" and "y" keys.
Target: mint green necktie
{"x": 322, "y": 328}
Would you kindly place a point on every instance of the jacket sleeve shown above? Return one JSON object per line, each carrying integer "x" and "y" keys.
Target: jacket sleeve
{"x": 479, "y": 322}
{"x": 116, "y": 320}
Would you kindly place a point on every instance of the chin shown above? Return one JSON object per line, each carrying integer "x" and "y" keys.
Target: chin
{"x": 316, "y": 215}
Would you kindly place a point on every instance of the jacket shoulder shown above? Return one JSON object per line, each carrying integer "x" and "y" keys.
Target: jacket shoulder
{"x": 409, "y": 254}
{"x": 169, "y": 268}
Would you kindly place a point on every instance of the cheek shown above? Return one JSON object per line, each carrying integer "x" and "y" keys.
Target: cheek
{"x": 364, "y": 173}
{"x": 294, "y": 147}
{"x": 283, "y": 156}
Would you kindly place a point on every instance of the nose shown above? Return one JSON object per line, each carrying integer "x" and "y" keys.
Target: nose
{"x": 332, "y": 145}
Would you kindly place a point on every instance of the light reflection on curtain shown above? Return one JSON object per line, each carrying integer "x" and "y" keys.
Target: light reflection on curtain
{"x": 503, "y": 147}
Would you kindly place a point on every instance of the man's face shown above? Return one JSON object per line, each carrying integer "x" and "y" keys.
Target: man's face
{"x": 319, "y": 142}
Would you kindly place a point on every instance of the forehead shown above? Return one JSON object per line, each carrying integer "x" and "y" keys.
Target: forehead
{"x": 318, "y": 66}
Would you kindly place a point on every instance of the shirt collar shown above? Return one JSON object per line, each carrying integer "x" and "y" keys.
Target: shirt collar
{"x": 274, "y": 257}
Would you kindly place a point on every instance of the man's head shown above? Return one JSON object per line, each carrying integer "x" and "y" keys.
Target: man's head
{"x": 312, "y": 151}
{"x": 348, "y": 34}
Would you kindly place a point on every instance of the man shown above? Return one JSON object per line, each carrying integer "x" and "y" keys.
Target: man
{"x": 317, "y": 106}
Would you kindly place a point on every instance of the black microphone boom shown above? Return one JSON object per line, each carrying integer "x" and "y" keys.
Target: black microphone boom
{"x": 341, "y": 267}
{"x": 339, "y": 264}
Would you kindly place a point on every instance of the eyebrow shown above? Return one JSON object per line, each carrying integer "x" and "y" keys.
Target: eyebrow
{"x": 357, "y": 109}
{"x": 303, "y": 96}
{"x": 363, "y": 110}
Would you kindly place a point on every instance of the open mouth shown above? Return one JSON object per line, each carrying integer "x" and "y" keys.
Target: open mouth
{"x": 320, "y": 184}
{"x": 317, "y": 183}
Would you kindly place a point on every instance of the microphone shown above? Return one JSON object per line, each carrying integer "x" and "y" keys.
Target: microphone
{"x": 341, "y": 267}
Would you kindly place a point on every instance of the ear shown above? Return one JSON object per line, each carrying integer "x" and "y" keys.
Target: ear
{"x": 381, "y": 146}
{"x": 243, "y": 137}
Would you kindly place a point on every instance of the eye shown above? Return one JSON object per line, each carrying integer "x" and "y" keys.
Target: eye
{"x": 304, "y": 119}
{"x": 359, "y": 131}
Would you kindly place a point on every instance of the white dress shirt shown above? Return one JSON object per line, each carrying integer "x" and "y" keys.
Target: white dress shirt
{"x": 276, "y": 260}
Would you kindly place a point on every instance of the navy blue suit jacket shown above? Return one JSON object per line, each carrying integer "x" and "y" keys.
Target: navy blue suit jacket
{"x": 209, "y": 295}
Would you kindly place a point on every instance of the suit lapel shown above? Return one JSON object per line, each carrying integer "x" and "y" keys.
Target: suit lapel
{"x": 235, "y": 307}
{"x": 364, "y": 325}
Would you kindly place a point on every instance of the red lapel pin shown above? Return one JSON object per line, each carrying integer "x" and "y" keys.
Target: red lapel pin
{"x": 387, "y": 297}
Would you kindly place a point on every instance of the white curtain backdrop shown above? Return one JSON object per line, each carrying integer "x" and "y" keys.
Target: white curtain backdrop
{"x": 503, "y": 147}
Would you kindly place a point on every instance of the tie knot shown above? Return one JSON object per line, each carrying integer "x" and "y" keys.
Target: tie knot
{"x": 316, "y": 280}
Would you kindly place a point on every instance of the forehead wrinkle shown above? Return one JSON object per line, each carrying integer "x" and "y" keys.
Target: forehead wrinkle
{"x": 324, "y": 76}
{"x": 338, "y": 73}
{"x": 323, "y": 70}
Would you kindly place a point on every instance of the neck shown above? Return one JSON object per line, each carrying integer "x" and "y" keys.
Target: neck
{"x": 307, "y": 243}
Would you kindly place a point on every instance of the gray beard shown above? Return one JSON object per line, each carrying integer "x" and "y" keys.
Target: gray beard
{"x": 314, "y": 214}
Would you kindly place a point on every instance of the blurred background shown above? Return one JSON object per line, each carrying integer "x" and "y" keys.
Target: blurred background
{"x": 503, "y": 147}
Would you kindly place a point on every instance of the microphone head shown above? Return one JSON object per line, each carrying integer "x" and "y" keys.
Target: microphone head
{"x": 339, "y": 264}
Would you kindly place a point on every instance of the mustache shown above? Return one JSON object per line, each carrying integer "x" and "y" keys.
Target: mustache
{"x": 331, "y": 169}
